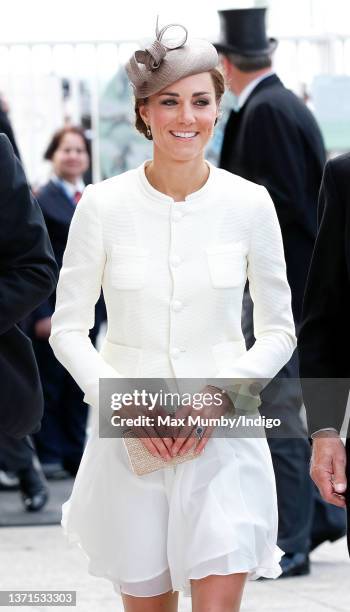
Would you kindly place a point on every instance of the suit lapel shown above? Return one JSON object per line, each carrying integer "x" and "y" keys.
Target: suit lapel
{"x": 270, "y": 81}
{"x": 64, "y": 206}
{"x": 231, "y": 130}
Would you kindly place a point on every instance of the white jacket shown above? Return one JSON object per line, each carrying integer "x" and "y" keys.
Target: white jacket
{"x": 173, "y": 275}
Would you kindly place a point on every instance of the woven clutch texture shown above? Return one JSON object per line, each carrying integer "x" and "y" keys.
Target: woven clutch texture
{"x": 141, "y": 460}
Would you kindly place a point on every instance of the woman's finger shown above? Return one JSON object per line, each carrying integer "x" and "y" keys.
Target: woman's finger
{"x": 147, "y": 440}
{"x": 188, "y": 443}
{"x": 182, "y": 431}
{"x": 182, "y": 437}
{"x": 148, "y": 443}
{"x": 204, "y": 440}
{"x": 158, "y": 443}
{"x": 164, "y": 432}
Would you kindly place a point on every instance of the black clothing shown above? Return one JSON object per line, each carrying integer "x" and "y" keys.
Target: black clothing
{"x": 62, "y": 436}
{"x": 274, "y": 141}
{"x": 324, "y": 339}
{"x": 6, "y": 128}
{"x": 28, "y": 274}
{"x": 325, "y": 332}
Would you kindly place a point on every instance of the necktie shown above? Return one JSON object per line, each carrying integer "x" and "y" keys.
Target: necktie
{"x": 77, "y": 197}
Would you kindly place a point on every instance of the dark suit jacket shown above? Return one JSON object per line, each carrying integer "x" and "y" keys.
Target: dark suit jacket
{"x": 324, "y": 338}
{"x": 274, "y": 141}
{"x": 28, "y": 274}
{"x": 58, "y": 211}
{"x": 6, "y": 128}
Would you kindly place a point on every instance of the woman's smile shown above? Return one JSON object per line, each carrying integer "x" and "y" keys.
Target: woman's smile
{"x": 184, "y": 135}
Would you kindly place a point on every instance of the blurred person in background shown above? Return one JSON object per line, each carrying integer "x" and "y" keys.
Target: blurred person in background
{"x": 271, "y": 138}
{"x": 60, "y": 442}
{"x": 28, "y": 274}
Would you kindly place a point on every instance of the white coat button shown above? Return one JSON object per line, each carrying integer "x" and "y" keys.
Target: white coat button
{"x": 175, "y": 353}
{"x": 176, "y": 305}
{"x": 177, "y": 215}
{"x": 175, "y": 260}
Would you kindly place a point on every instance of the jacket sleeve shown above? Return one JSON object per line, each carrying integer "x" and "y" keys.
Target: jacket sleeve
{"x": 78, "y": 290}
{"x": 325, "y": 333}
{"x": 46, "y": 308}
{"x": 273, "y": 320}
{"x": 28, "y": 270}
{"x": 43, "y": 311}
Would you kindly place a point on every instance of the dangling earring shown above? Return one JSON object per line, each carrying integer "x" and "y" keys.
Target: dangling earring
{"x": 149, "y": 133}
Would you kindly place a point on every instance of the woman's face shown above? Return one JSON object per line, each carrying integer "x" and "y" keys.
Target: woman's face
{"x": 181, "y": 116}
{"x": 71, "y": 159}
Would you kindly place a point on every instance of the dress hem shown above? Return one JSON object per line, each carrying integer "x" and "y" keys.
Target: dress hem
{"x": 254, "y": 572}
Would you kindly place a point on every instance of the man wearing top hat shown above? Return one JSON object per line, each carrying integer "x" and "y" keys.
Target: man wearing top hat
{"x": 272, "y": 139}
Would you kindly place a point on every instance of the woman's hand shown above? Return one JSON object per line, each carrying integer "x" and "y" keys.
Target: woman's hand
{"x": 152, "y": 436}
{"x": 42, "y": 328}
{"x": 185, "y": 436}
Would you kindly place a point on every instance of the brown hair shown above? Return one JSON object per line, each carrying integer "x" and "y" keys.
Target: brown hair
{"x": 58, "y": 137}
{"x": 219, "y": 85}
{"x": 250, "y": 64}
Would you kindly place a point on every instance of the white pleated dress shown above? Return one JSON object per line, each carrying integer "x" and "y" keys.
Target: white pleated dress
{"x": 216, "y": 514}
{"x": 150, "y": 534}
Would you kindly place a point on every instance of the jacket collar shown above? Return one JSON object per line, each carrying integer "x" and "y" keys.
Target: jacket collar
{"x": 202, "y": 198}
{"x": 245, "y": 93}
{"x": 58, "y": 190}
{"x": 69, "y": 188}
{"x": 271, "y": 81}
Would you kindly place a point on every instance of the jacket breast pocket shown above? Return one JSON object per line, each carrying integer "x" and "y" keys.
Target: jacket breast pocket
{"x": 128, "y": 268}
{"x": 227, "y": 264}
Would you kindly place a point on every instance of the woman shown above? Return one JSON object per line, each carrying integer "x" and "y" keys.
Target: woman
{"x": 172, "y": 243}
{"x": 60, "y": 442}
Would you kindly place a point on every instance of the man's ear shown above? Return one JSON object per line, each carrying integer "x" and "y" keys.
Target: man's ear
{"x": 226, "y": 64}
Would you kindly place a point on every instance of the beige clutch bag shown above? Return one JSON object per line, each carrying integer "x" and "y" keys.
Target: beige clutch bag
{"x": 141, "y": 460}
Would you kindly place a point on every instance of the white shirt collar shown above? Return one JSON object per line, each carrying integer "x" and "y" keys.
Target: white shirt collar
{"x": 245, "y": 93}
{"x": 70, "y": 188}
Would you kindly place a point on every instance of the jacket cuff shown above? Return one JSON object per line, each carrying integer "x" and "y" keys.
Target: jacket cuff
{"x": 325, "y": 432}
{"x": 245, "y": 395}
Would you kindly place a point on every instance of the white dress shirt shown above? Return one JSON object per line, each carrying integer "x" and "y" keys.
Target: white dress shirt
{"x": 69, "y": 188}
{"x": 245, "y": 93}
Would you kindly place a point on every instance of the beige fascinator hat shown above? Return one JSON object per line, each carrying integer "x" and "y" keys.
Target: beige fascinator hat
{"x": 162, "y": 63}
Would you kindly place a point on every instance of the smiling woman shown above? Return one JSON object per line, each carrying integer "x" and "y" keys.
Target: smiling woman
{"x": 69, "y": 153}
{"x": 172, "y": 243}
{"x": 180, "y": 120}
{"x": 200, "y": 99}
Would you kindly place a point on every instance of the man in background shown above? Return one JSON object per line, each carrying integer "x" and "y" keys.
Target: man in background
{"x": 325, "y": 336}
{"x": 271, "y": 138}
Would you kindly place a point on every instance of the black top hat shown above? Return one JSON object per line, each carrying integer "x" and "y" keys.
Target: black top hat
{"x": 243, "y": 31}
